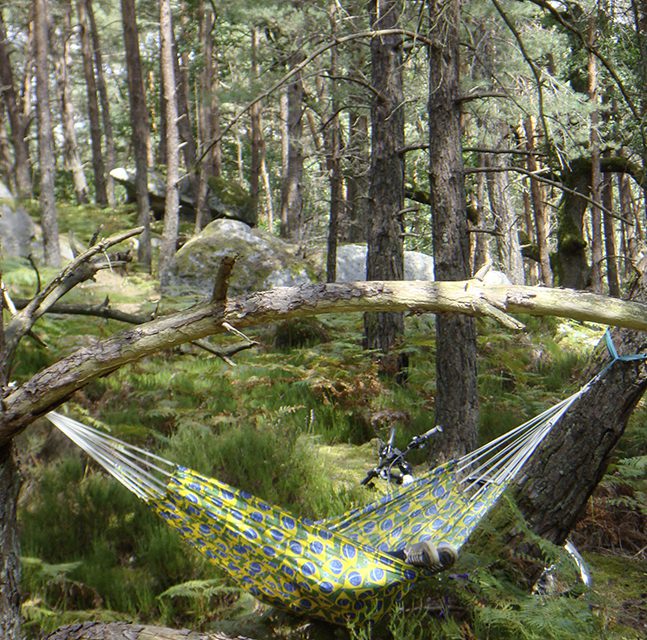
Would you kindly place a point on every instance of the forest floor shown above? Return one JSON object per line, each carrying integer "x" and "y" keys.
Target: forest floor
{"x": 299, "y": 417}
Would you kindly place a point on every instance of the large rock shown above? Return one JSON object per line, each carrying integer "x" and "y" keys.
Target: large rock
{"x": 351, "y": 264}
{"x": 264, "y": 261}
{"x": 16, "y": 227}
{"x": 225, "y": 199}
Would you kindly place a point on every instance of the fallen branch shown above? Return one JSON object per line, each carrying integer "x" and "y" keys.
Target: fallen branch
{"x": 53, "y": 385}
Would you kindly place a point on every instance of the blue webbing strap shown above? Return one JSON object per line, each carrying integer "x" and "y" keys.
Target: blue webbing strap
{"x": 613, "y": 352}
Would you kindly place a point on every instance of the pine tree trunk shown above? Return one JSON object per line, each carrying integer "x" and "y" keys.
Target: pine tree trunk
{"x": 333, "y": 158}
{"x": 456, "y": 404}
{"x": 613, "y": 279}
{"x": 505, "y": 223}
{"x": 98, "y": 165}
{"x": 596, "y": 218}
{"x": 291, "y": 188}
{"x": 385, "y": 256}
{"x": 18, "y": 122}
{"x": 171, "y": 204}
{"x": 47, "y": 162}
{"x": 139, "y": 124}
{"x": 357, "y": 209}
{"x": 105, "y": 105}
{"x": 9, "y": 547}
{"x": 538, "y": 208}
{"x": 256, "y": 131}
{"x": 557, "y": 482}
{"x": 71, "y": 147}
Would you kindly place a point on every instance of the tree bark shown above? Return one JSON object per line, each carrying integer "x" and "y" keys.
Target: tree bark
{"x": 70, "y": 144}
{"x": 125, "y": 631}
{"x": 47, "y": 162}
{"x": 456, "y": 404}
{"x": 357, "y": 203}
{"x": 613, "y": 278}
{"x": 105, "y": 105}
{"x": 172, "y": 201}
{"x": 256, "y": 130}
{"x": 9, "y": 546}
{"x": 292, "y": 145}
{"x": 333, "y": 147}
{"x": 139, "y": 124}
{"x": 505, "y": 222}
{"x": 19, "y": 123}
{"x": 538, "y": 207}
{"x": 583, "y": 441}
{"x": 385, "y": 256}
{"x": 98, "y": 164}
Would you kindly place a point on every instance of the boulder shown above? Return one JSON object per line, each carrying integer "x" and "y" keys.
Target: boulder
{"x": 264, "y": 261}
{"x": 351, "y": 264}
{"x": 16, "y": 227}
{"x": 225, "y": 199}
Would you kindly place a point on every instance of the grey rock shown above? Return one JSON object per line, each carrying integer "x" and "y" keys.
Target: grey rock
{"x": 16, "y": 227}
{"x": 351, "y": 264}
{"x": 264, "y": 261}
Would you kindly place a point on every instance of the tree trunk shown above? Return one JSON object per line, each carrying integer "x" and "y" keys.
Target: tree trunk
{"x": 333, "y": 158}
{"x": 9, "y": 547}
{"x": 171, "y": 203}
{"x": 594, "y": 139}
{"x": 256, "y": 131}
{"x": 554, "y": 487}
{"x": 538, "y": 207}
{"x": 125, "y": 631}
{"x": 505, "y": 222}
{"x": 105, "y": 105}
{"x": 456, "y": 403}
{"x": 292, "y": 145}
{"x": 71, "y": 147}
{"x": 357, "y": 203}
{"x": 98, "y": 165}
{"x": 47, "y": 162}
{"x": 613, "y": 279}
{"x": 18, "y": 122}
{"x": 385, "y": 256}
{"x": 139, "y": 125}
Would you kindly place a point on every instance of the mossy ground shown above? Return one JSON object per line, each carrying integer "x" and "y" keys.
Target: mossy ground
{"x": 296, "y": 425}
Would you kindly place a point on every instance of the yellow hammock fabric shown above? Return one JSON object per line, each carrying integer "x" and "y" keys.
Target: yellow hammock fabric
{"x": 339, "y": 569}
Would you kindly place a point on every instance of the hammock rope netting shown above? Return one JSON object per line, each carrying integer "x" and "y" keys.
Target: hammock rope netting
{"x": 338, "y": 569}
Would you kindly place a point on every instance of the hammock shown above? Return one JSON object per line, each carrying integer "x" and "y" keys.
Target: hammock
{"x": 338, "y": 569}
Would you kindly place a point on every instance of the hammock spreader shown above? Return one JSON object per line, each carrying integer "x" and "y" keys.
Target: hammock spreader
{"x": 338, "y": 569}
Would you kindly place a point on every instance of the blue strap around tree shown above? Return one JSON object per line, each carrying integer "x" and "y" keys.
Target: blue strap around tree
{"x": 613, "y": 352}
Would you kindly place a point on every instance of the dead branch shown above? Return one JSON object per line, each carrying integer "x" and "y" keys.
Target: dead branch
{"x": 53, "y": 385}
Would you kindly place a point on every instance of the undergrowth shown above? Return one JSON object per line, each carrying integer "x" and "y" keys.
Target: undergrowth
{"x": 287, "y": 424}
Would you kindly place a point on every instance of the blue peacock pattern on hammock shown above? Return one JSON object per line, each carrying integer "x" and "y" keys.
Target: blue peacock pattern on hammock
{"x": 338, "y": 570}
{"x": 292, "y": 563}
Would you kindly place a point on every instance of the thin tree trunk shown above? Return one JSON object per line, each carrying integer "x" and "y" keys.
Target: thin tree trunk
{"x": 105, "y": 105}
{"x": 333, "y": 158}
{"x": 385, "y": 255}
{"x": 538, "y": 207}
{"x": 47, "y": 162}
{"x": 139, "y": 127}
{"x": 98, "y": 165}
{"x": 596, "y": 218}
{"x": 256, "y": 130}
{"x": 6, "y": 164}
{"x": 269, "y": 204}
{"x": 291, "y": 195}
{"x": 357, "y": 209}
{"x": 456, "y": 393}
{"x": 171, "y": 205}
{"x": 9, "y": 546}
{"x": 70, "y": 145}
{"x": 181, "y": 66}
{"x": 505, "y": 224}
{"x": 610, "y": 239}
{"x": 18, "y": 122}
